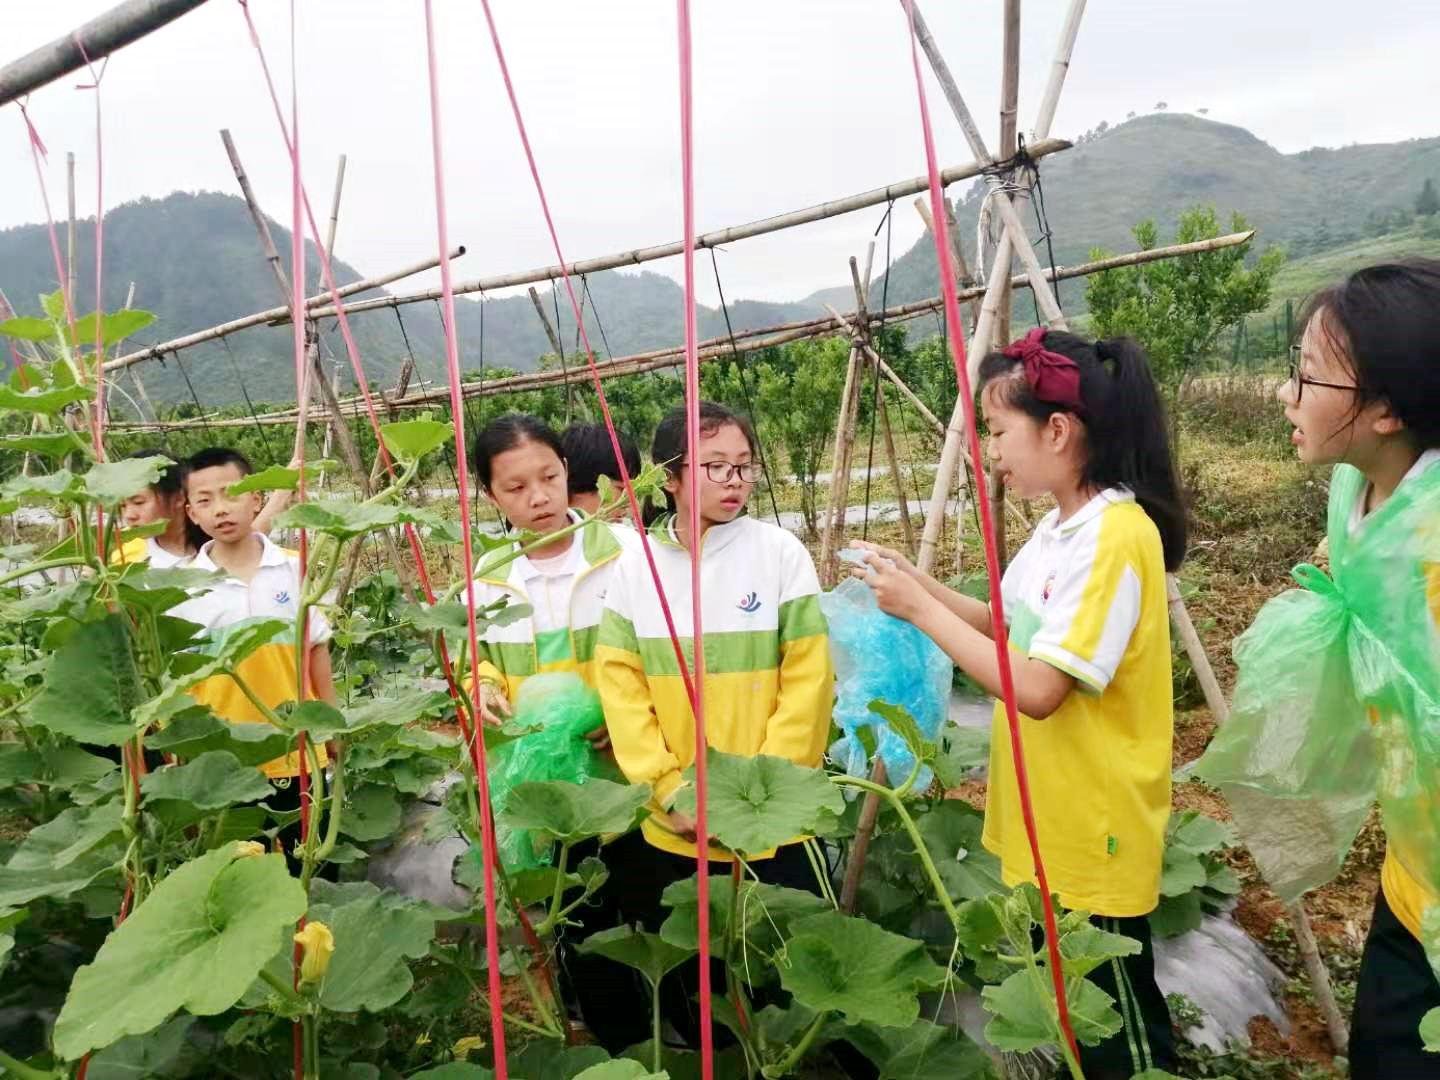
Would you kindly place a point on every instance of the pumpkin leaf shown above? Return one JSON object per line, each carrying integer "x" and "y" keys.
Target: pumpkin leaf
{"x": 572, "y": 811}
{"x": 649, "y": 954}
{"x": 92, "y": 687}
{"x": 214, "y": 780}
{"x": 196, "y": 943}
{"x": 198, "y": 731}
{"x": 1024, "y": 1012}
{"x": 757, "y": 803}
{"x": 411, "y": 440}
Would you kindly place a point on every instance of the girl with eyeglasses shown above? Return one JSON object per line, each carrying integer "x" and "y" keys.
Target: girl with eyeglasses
{"x": 769, "y": 684}
{"x": 1338, "y": 693}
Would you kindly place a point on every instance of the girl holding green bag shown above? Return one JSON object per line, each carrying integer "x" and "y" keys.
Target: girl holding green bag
{"x": 1338, "y": 696}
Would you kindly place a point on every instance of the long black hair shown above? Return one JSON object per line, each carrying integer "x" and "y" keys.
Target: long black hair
{"x": 1384, "y": 321}
{"x": 589, "y": 455}
{"x": 506, "y": 433}
{"x": 172, "y": 483}
{"x": 1126, "y": 432}
{"x": 669, "y": 447}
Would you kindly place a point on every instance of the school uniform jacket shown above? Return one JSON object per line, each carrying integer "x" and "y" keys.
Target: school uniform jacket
{"x": 769, "y": 683}
{"x": 509, "y": 654}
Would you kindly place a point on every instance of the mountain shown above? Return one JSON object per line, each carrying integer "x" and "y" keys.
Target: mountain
{"x": 196, "y": 261}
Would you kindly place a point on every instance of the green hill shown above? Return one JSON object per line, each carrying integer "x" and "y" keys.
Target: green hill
{"x": 196, "y": 262}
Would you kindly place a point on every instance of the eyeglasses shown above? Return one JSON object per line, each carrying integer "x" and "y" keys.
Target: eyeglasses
{"x": 1298, "y": 382}
{"x": 720, "y": 472}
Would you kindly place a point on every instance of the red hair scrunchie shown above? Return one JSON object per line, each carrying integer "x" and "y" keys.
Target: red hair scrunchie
{"x": 1053, "y": 377}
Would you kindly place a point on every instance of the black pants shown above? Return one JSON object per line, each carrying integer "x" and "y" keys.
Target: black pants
{"x": 1146, "y": 1039}
{"x": 613, "y": 999}
{"x": 1394, "y": 990}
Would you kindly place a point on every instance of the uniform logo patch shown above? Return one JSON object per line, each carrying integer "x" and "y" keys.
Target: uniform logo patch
{"x": 282, "y": 597}
{"x": 1049, "y": 586}
{"x": 750, "y": 603}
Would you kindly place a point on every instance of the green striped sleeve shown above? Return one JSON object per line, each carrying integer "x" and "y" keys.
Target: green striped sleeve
{"x": 801, "y": 617}
{"x": 618, "y": 632}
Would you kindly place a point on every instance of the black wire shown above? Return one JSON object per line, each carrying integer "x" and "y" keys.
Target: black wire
{"x": 1042, "y": 219}
{"x": 875, "y": 402}
{"x": 585, "y": 285}
{"x": 450, "y": 458}
{"x": 199, "y": 409}
{"x": 745, "y": 385}
{"x": 244, "y": 391}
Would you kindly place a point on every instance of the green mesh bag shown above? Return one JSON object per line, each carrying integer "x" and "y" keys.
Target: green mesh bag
{"x": 564, "y": 710}
{"x": 1338, "y": 698}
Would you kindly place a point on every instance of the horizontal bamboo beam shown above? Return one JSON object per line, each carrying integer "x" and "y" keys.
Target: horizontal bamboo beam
{"x": 713, "y": 348}
{"x": 635, "y": 257}
{"x": 120, "y": 26}
{"x": 272, "y": 316}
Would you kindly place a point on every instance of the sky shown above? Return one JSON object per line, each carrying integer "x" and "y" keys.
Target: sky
{"x": 796, "y": 102}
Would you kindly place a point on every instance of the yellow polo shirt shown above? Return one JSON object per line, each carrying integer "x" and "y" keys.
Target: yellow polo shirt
{"x": 1087, "y": 596}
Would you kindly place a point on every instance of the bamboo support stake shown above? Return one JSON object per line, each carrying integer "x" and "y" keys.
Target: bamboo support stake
{"x": 845, "y": 427}
{"x": 551, "y": 332}
{"x": 1009, "y": 136}
{"x": 1299, "y": 920}
{"x": 721, "y": 348}
{"x": 334, "y": 221}
{"x": 860, "y": 846}
{"x": 1059, "y": 68}
{"x": 902, "y": 500}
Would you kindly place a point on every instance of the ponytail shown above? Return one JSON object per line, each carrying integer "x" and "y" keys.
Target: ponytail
{"x": 1127, "y": 434}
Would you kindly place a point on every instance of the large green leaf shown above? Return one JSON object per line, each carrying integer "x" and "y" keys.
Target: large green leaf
{"x": 963, "y": 749}
{"x": 371, "y": 812}
{"x": 1085, "y": 949}
{"x": 454, "y": 1070}
{"x": 1176, "y": 915}
{"x": 757, "y": 803}
{"x": 161, "y": 1054}
{"x": 1180, "y": 872}
{"x": 93, "y": 686}
{"x": 62, "y": 856}
{"x": 114, "y": 326}
{"x": 573, "y": 811}
{"x": 843, "y": 964}
{"x": 621, "y": 1069}
{"x": 277, "y": 478}
{"x": 410, "y": 440}
{"x": 1024, "y": 1012}
{"x": 212, "y": 781}
{"x": 174, "y": 696}
{"x": 196, "y": 943}
{"x": 923, "y": 1051}
{"x": 54, "y": 444}
{"x": 374, "y": 932}
{"x": 348, "y": 520}
{"x": 766, "y": 914}
{"x": 548, "y": 1059}
{"x": 198, "y": 731}
{"x": 648, "y": 954}
{"x": 951, "y": 830}
{"x": 1198, "y": 833}
{"x": 112, "y": 482}
{"x": 46, "y": 400}
{"x": 1430, "y": 1030}
{"x": 28, "y": 328}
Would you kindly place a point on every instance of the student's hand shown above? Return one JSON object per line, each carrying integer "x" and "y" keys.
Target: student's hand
{"x": 681, "y": 824}
{"x": 494, "y": 706}
{"x": 896, "y": 557}
{"x": 599, "y": 738}
{"x": 896, "y": 592}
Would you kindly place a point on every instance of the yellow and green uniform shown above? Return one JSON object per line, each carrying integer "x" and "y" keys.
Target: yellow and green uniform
{"x": 1087, "y": 596}
{"x": 769, "y": 683}
{"x": 546, "y": 640}
{"x": 145, "y": 549}
{"x": 230, "y": 604}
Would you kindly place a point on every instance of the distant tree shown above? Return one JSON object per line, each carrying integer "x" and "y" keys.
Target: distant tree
{"x": 1428, "y": 201}
{"x": 1130, "y": 115}
{"x": 1161, "y": 106}
{"x": 1102, "y": 127}
{"x": 1203, "y": 112}
{"x": 1177, "y": 308}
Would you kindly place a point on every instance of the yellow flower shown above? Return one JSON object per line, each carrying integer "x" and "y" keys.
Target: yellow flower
{"x": 244, "y": 849}
{"x": 463, "y": 1048}
{"x": 317, "y": 944}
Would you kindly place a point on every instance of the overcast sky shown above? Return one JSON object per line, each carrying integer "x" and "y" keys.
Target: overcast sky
{"x": 797, "y": 101}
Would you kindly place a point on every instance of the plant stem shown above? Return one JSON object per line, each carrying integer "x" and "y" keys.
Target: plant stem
{"x": 800, "y": 1050}
{"x": 311, "y": 1030}
{"x": 40, "y": 567}
{"x": 281, "y": 987}
{"x": 921, "y": 851}
{"x": 337, "y": 799}
{"x": 655, "y": 1025}
{"x": 24, "y": 1072}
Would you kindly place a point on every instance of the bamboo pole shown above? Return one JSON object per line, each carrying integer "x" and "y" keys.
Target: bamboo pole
{"x": 860, "y": 847}
{"x": 899, "y": 190}
{"x": 907, "y": 527}
{"x": 845, "y": 427}
{"x": 334, "y": 221}
{"x": 101, "y": 36}
{"x": 271, "y": 316}
{"x": 1009, "y": 135}
{"x": 71, "y": 270}
{"x": 1059, "y": 68}
{"x": 551, "y": 332}
{"x": 746, "y": 341}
